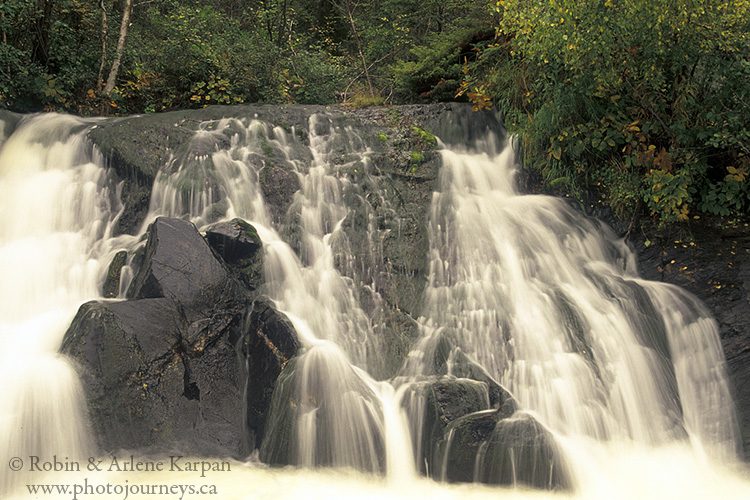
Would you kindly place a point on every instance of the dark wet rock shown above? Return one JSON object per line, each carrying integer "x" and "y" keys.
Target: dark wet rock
{"x": 8, "y": 123}
{"x": 444, "y": 401}
{"x": 499, "y": 397}
{"x": 436, "y": 404}
{"x": 238, "y": 243}
{"x": 161, "y": 370}
{"x": 399, "y": 332}
{"x": 707, "y": 257}
{"x": 189, "y": 362}
{"x": 268, "y": 344}
{"x": 476, "y": 125}
{"x": 395, "y": 192}
{"x": 446, "y": 359}
{"x": 111, "y": 286}
{"x": 278, "y": 185}
{"x": 488, "y": 448}
{"x": 180, "y": 265}
{"x": 136, "y": 150}
{"x": 136, "y": 199}
{"x": 147, "y": 387}
{"x": 710, "y": 259}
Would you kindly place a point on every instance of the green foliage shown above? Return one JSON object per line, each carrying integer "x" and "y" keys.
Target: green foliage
{"x": 313, "y": 77}
{"x": 208, "y": 60}
{"x": 731, "y": 194}
{"x": 362, "y": 99}
{"x": 216, "y": 90}
{"x": 45, "y": 53}
{"x": 266, "y": 148}
{"x": 185, "y": 53}
{"x": 424, "y": 136}
{"x": 433, "y": 72}
{"x": 658, "y": 90}
{"x": 416, "y": 160}
{"x": 668, "y": 194}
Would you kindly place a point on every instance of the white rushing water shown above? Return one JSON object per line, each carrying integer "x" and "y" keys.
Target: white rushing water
{"x": 627, "y": 374}
{"x": 55, "y": 213}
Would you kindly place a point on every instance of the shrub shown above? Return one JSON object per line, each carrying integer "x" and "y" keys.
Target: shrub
{"x": 658, "y": 87}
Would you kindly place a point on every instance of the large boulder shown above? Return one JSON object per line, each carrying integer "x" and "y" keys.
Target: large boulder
{"x": 161, "y": 370}
{"x": 239, "y": 245}
{"x": 181, "y": 266}
{"x": 436, "y": 403}
{"x": 153, "y": 380}
{"x": 491, "y": 448}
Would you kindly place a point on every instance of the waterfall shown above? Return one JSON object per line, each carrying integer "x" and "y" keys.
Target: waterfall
{"x": 56, "y": 209}
{"x": 549, "y": 302}
{"x": 533, "y": 314}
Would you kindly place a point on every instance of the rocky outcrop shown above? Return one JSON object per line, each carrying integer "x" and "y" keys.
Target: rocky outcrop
{"x": 239, "y": 246}
{"x": 490, "y": 448}
{"x": 8, "y": 123}
{"x": 161, "y": 370}
{"x": 111, "y": 286}
{"x": 711, "y": 259}
{"x": 473, "y": 431}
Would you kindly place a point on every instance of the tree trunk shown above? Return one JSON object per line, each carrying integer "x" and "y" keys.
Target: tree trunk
{"x": 41, "y": 27}
{"x": 124, "y": 28}
{"x": 100, "y": 78}
{"x": 348, "y": 7}
{"x": 5, "y": 39}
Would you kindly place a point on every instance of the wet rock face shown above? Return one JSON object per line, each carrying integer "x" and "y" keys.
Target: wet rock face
{"x": 278, "y": 185}
{"x": 445, "y": 400}
{"x": 8, "y": 123}
{"x": 517, "y": 450}
{"x": 111, "y": 287}
{"x": 180, "y": 266}
{"x": 147, "y": 387}
{"x": 713, "y": 263}
{"x": 161, "y": 370}
{"x": 466, "y": 437}
{"x": 268, "y": 345}
{"x": 394, "y": 191}
{"x": 239, "y": 246}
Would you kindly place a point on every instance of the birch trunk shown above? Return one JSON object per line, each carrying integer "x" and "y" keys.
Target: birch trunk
{"x": 124, "y": 28}
{"x": 100, "y": 78}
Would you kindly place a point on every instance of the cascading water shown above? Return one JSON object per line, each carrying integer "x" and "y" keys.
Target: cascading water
{"x": 56, "y": 210}
{"x": 628, "y": 375}
{"x": 550, "y": 304}
{"x": 343, "y": 413}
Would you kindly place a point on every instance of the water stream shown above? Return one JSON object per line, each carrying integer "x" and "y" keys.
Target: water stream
{"x": 627, "y": 375}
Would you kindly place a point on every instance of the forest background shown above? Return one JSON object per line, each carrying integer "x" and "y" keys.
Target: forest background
{"x": 645, "y": 101}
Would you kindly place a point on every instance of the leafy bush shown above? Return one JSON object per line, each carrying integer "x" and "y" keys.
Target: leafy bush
{"x": 433, "y": 72}
{"x": 314, "y": 77}
{"x": 659, "y": 89}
